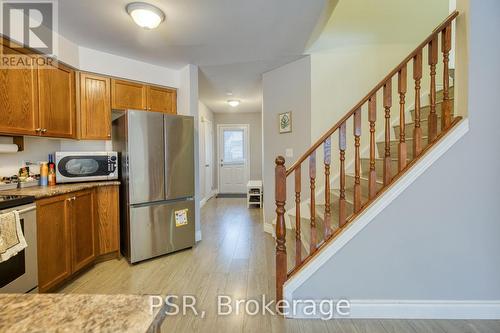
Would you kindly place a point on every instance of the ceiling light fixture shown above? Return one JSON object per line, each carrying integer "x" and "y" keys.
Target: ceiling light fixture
{"x": 145, "y": 15}
{"x": 233, "y": 102}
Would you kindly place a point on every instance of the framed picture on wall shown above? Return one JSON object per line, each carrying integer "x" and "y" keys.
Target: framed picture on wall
{"x": 285, "y": 124}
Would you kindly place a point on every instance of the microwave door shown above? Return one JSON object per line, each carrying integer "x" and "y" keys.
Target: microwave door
{"x": 145, "y": 157}
{"x": 179, "y": 157}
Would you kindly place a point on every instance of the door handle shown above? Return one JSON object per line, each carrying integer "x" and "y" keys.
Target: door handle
{"x": 207, "y": 165}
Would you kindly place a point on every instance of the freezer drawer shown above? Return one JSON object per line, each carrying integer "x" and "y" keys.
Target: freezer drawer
{"x": 160, "y": 229}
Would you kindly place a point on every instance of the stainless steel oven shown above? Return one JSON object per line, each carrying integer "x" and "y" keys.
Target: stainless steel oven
{"x": 19, "y": 274}
{"x": 86, "y": 166}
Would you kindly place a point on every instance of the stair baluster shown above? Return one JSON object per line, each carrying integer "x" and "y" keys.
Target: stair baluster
{"x": 402, "y": 151}
{"x": 357, "y": 160}
{"x": 342, "y": 148}
{"x": 417, "y": 76}
{"x": 327, "y": 148}
{"x": 280, "y": 196}
{"x": 298, "y": 241}
{"x": 312, "y": 176}
{"x": 372, "y": 118}
{"x": 432, "y": 118}
{"x": 446, "y": 106}
{"x": 387, "y": 107}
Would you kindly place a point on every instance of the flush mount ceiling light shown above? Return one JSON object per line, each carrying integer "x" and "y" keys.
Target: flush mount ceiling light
{"x": 145, "y": 15}
{"x": 233, "y": 102}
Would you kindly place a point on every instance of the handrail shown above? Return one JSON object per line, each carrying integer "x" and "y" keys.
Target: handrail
{"x": 379, "y": 178}
{"x": 332, "y": 130}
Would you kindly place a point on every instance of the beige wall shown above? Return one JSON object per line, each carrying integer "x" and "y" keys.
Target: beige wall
{"x": 254, "y": 119}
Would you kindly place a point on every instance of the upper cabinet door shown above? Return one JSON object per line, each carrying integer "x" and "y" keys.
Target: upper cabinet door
{"x": 128, "y": 95}
{"x": 56, "y": 96}
{"x": 18, "y": 99}
{"x": 95, "y": 107}
{"x": 162, "y": 100}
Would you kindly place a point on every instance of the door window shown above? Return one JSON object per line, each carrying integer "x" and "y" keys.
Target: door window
{"x": 234, "y": 152}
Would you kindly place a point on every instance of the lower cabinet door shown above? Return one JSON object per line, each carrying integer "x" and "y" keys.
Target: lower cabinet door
{"x": 108, "y": 219}
{"x": 53, "y": 237}
{"x": 83, "y": 239}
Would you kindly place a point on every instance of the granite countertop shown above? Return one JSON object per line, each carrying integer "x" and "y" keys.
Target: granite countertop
{"x": 78, "y": 313}
{"x": 40, "y": 192}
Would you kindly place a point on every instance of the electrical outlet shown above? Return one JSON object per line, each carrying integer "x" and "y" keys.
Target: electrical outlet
{"x": 289, "y": 152}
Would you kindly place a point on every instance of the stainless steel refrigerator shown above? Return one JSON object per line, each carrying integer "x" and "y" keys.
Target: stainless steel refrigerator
{"x": 156, "y": 155}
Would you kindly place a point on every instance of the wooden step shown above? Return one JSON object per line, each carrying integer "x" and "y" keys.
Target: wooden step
{"x": 424, "y": 124}
{"x": 364, "y": 187}
{"x": 379, "y": 167}
{"x": 395, "y": 144}
{"x": 425, "y": 110}
{"x": 439, "y": 94}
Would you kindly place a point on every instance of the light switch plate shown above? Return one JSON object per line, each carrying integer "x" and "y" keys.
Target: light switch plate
{"x": 289, "y": 152}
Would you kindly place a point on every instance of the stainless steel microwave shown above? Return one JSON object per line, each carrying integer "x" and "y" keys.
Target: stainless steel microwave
{"x": 74, "y": 167}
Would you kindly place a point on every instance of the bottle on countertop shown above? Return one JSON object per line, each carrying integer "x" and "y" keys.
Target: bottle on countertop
{"x": 44, "y": 173}
{"x": 52, "y": 171}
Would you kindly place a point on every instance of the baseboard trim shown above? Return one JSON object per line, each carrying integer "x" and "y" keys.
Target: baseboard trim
{"x": 210, "y": 196}
{"x": 411, "y": 309}
{"x": 376, "y": 208}
{"x": 198, "y": 236}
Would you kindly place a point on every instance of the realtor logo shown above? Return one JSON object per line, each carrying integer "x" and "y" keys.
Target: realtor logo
{"x": 30, "y": 24}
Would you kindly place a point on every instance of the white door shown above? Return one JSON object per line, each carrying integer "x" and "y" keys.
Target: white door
{"x": 234, "y": 161}
{"x": 209, "y": 157}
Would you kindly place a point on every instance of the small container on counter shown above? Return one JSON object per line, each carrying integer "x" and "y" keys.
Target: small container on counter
{"x": 44, "y": 173}
{"x": 52, "y": 171}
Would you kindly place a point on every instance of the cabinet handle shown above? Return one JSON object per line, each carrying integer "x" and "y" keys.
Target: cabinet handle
{"x": 74, "y": 198}
{"x": 44, "y": 130}
{"x": 38, "y": 130}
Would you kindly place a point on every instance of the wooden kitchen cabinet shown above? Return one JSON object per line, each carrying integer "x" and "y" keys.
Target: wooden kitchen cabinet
{"x": 56, "y": 96}
{"x": 95, "y": 107}
{"x": 18, "y": 99}
{"x": 83, "y": 241}
{"x": 54, "y": 242}
{"x": 74, "y": 231}
{"x": 162, "y": 100}
{"x": 128, "y": 95}
{"x": 108, "y": 220}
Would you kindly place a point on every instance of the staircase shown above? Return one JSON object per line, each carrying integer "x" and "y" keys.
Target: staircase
{"x": 406, "y": 136}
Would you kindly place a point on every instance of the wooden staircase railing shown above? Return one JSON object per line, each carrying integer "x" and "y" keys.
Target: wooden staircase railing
{"x": 404, "y": 162}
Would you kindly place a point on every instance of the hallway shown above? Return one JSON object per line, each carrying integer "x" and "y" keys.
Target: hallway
{"x": 235, "y": 258}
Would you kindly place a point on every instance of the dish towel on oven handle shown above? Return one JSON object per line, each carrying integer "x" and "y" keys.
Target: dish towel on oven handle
{"x": 11, "y": 236}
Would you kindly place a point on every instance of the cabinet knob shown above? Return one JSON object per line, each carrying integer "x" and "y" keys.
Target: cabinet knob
{"x": 38, "y": 130}
{"x": 44, "y": 130}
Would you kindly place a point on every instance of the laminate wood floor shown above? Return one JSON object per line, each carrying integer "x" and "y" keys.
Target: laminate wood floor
{"x": 236, "y": 258}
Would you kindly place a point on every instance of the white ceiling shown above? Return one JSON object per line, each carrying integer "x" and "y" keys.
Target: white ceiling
{"x": 233, "y": 41}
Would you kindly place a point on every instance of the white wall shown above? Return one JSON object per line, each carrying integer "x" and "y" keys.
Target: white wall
{"x": 206, "y": 115}
{"x": 36, "y": 150}
{"x": 113, "y": 65}
{"x": 439, "y": 240}
{"x": 287, "y": 88}
{"x": 187, "y": 104}
{"x": 254, "y": 120}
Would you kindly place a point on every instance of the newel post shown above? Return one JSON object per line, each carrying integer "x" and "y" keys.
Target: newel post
{"x": 281, "y": 264}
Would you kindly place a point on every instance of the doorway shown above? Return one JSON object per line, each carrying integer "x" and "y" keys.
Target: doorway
{"x": 209, "y": 156}
{"x": 233, "y": 158}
